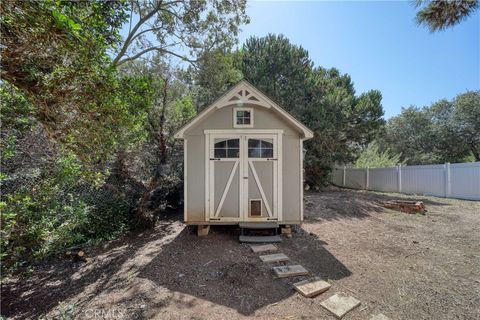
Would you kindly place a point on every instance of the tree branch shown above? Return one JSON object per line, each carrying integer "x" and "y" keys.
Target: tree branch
{"x": 131, "y": 35}
{"x": 159, "y": 49}
{"x": 133, "y": 32}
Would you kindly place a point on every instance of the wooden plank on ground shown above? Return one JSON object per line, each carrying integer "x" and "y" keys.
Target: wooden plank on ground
{"x": 290, "y": 271}
{"x": 312, "y": 287}
{"x": 275, "y": 257}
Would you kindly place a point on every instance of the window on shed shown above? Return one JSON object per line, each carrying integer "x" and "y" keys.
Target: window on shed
{"x": 243, "y": 117}
{"x": 227, "y": 148}
{"x": 260, "y": 148}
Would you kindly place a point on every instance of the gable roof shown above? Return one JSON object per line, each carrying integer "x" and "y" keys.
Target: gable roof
{"x": 245, "y": 93}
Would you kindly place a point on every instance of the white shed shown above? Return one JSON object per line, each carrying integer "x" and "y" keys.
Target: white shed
{"x": 243, "y": 161}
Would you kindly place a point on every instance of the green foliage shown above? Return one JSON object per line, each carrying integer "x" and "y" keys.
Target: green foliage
{"x": 40, "y": 216}
{"x": 323, "y": 99}
{"x": 440, "y": 15}
{"x": 62, "y": 68}
{"x": 217, "y": 72}
{"x": 372, "y": 157}
{"x": 181, "y": 29}
{"x": 410, "y": 134}
{"x": 16, "y": 111}
{"x": 280, "y": 69}
{"x": 447, "y": 131}
{"x": 66, "y": 311}
{"x": 82, "y": 139}
{"x": 59, "y": 209}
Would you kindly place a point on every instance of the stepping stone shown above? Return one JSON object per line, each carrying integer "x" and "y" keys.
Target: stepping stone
{"x": 380, "y": 316}
{"x": 276, "y": 257}
{"x": 263, "y": 248}
{"x": 290, "y": 271}
{"x": 312, "y": 287}
{"x": 260, "y": 239}
{"x": 340, "y": 304}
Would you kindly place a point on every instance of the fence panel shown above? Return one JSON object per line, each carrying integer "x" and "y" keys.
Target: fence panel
{"x": 459, "y": 180}
{"x": 356, "y": 178}
{"x": 465, "y": 180}
{"x": 337, "y": 176}
{"x": 383, "y": 179}
{"x": 428, "y": 179}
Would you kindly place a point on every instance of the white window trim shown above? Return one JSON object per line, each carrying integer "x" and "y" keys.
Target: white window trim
{"x": 235, "y": 125}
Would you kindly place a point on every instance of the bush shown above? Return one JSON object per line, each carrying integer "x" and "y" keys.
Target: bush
{"x": 57, "y": 209}
{"x": 41, "y": 215}
{"x": 374, "y": 158}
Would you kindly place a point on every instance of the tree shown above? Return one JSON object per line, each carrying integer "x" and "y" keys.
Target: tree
{"x": 170, "y": 27}
{"x": 457, "y": 127}
{"x": 441, "y": 14}
{"x": 55, "y": 54}
{"x": 323, "y": 99}
{"x": 410, "y": 134}
{"x": 366, "y": 119}
{"x": 278, "y": 68}
{"x": 466, "y": 120}
{"x": 372, "y": 157}
{"x": 172, "y": 107}
{"x": 446, "y": 131}
{"x": 216, "y": 72}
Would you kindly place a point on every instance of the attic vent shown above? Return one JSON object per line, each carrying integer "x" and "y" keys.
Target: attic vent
{"x": 255, "y": 207}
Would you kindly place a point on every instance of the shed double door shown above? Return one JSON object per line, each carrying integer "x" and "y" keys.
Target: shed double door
{"x": 243, "y": 177}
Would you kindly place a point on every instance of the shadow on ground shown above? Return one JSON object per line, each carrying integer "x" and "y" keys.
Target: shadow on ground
{"x": 220, "y": 270}
{"x": 340, "y": 203}
{"x": 58, "y": 279}
{"x": 169, "y": 266}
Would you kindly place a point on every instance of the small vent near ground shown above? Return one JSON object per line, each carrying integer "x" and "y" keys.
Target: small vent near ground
{"x": 256, "y": 208}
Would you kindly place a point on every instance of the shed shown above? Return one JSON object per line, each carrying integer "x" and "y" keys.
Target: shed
{"x": 243, "y": 161}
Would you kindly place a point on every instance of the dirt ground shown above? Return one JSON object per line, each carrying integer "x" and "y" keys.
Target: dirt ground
{"x": 404, "y": 266}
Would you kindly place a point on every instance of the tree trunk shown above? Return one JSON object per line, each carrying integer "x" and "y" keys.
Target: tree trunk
{"x": 162, "y": 142}
{"x": 144, "y": 217}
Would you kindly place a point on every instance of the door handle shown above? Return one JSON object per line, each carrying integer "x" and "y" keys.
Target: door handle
{"x": 271, "y": 159}
{"x": 214, "y": 158}
{"x": 245, "y": 177}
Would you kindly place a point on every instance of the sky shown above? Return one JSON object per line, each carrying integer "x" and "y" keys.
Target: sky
{"x": 379, "y": 45}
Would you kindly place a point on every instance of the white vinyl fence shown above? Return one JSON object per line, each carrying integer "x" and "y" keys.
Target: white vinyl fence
{"x": 456, "y": 180}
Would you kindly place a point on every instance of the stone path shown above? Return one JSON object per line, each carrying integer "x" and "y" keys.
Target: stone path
{"x": 290, "y": 271}
{"x": 276, "y": 257}
{"x": 312, "y": 287}
{"x": 338, "y": 304}
{"x": 263, "y": 248}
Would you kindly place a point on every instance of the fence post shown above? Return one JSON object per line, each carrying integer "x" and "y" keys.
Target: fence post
{"x": 446, "y": 169}
{"x": 344, "y": 175}
{"x": 367, "y": 178}
{"x": 399, "y": 170}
